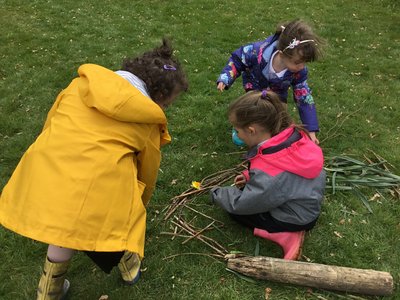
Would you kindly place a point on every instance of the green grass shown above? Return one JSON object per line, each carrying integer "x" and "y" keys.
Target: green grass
{"x": 355, "y": 86}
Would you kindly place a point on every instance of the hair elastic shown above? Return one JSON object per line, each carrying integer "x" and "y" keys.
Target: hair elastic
{"x": 295, "y": 42}
{"x": 169, "y": 68}
{"x": 264, "y": 94}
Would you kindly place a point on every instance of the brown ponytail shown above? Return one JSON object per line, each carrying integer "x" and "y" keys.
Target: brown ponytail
{"x": 262, "y": 108}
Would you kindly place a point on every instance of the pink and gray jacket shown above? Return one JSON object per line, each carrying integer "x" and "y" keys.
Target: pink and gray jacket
{"x": 285, "y": 178}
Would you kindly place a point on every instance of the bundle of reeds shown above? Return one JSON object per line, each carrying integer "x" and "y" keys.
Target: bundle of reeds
{"x": 348, "y": 174}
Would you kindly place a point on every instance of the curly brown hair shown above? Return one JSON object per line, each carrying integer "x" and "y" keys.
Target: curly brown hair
{"x": 160, "y": 71}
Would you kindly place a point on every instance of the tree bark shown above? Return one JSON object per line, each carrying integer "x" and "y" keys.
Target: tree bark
{"x": 320, "y": 276}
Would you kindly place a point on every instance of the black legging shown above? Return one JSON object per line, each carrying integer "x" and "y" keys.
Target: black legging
{"x": 105, "y": 260}
{"x": 267, "y": 222}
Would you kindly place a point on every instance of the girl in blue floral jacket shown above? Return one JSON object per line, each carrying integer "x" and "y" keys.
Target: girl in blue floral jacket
{"x": 277, "y": 63}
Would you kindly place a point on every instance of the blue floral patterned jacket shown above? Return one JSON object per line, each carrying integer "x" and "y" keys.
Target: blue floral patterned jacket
{"x": 252, "y": 62}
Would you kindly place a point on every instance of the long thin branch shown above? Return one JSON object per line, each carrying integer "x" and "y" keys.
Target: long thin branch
{"x": 198, "y": 233}
{"x": 339, "y": 124}
{"x": 184, "y": 226}
{"x": 202, "y": 214}
{"x": 211, "y": 255}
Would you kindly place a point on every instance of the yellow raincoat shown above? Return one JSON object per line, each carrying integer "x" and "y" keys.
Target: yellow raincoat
{"x": 84, "y": 183}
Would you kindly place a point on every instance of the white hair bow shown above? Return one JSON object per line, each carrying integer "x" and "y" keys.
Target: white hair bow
{"x": 295, "y": 42}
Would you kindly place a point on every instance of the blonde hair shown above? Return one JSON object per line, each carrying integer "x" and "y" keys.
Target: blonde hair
{"x": 262, "y": 108}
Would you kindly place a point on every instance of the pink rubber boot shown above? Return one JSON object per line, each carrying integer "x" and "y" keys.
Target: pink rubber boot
{"x": 291, "y": 242}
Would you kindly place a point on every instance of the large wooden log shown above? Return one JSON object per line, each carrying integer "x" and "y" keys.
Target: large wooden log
{"x": 321, "y": 276}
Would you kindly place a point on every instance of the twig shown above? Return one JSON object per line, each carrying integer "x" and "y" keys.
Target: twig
{"x": 339, "y": 124}
{"x": 199, "y": 237}
{"x": 202, "y": 214}
{"x": 381, "y": 159}
{"x": 191, "y": 192}
{"x": 198, "y": 233}
{"x": 204, "y": 236}
{"x": 211, "y": 255}
{"x": 236, "y": 152}
{"x": 172, "y": 208}
{"x": 174, "y": 234}
{"x": 221, "y": 250}
{"x": 215, "y": 179}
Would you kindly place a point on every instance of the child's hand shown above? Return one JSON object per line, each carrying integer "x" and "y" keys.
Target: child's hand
{"x": 221, "y": 86}
{"x": 240, "y": 181}
{"x": 314, "y": 137}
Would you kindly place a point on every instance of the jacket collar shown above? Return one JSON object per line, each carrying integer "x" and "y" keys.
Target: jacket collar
{"x": 277, "y": 143}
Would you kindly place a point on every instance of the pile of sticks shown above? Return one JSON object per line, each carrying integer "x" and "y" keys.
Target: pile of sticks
{"x": 186, "y": 229}
{"x": 215, "y": 179}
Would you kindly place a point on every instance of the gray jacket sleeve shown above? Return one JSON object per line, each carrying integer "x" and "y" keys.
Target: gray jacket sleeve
{"x": 260, "y": 194}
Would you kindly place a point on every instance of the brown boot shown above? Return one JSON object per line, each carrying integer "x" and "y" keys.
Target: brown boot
{"x": 52, "y": 284}
{"x": 129, "y": 267}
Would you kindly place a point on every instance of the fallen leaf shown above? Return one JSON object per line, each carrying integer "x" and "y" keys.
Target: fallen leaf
{"x": 196, "y": 185}
{"x": 267, "y": 293}
{"x": 103, "y": 297}
{"x": 374, "y": 197}
{"x": 338, "y": 234}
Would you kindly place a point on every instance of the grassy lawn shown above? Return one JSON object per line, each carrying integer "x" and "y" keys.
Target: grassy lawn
{"x": 356, "y": 88}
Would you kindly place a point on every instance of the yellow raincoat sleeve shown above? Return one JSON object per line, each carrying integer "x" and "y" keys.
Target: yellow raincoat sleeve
{"x": 148, "y": 160}
{"x": 148, "y": 164}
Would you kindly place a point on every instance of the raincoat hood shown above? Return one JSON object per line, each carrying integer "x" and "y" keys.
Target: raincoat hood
{"x": 115, "y": 97}
{"x": 303, "y": 157}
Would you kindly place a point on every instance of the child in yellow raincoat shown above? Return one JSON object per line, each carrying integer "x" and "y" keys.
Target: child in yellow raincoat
{"x": 86, "y": 180}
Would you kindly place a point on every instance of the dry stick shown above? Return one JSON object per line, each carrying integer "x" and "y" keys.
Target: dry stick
{"x": 236, "y": 152}
{"x": 202, "y": 214}
{"x": 215, "y": 242}
{"x": 178, "y": 201}
{"x": 185, "y": 194}
{"x": 337, "y": 125}
{"x": 202, "y": 240}
{"x": 174, "y": 234}
{"x": 212, "y": 255}
{"x": 203, "y": 236}
{"x": 224, "y": 171}
{"x": 175, "y": 231}
{"x": 198, "y": 233}
{"x": 172, "y": 208}
{"x": 381, "y": 159}
{"x": 200, "y": 237}
{"x": 369, "y": 160}
{"x": 187, "y": 236}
